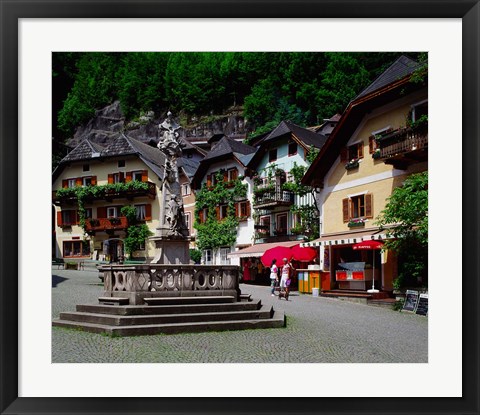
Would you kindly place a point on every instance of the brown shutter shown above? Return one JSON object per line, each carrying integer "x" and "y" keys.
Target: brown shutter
{"x": 371, "y": 144}
{"x": 209, "y": 180}
{"x": 110, "y": 179}
{"x": 79, "y": 181}
{"x": 101, "y": 212}
{"x": 344, "y": 154}
{"x": 200, "y": 216}
{"x": 217, "y": 212}
{"x": 148, "y": 211}
{"x": 59, "y": 218}
{"x": 64, "y": 183}
{"x": 76, "y": 214}
{"x": 128, "y": 177}
{"x": 94, "y": 180}
{"x": 248, "y": 208}
{"x": 225, "y": 176}
{"x": 144, "y": 176}
{"x": 238, "y": 211}
{"x": 368, "y": 206}
{"x": 122, "y": 177}
{"x": 346, "y": 213}
{"x": 360, "y": 150}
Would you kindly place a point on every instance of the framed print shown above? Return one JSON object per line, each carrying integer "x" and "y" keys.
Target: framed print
{"x": 32, "y": 383}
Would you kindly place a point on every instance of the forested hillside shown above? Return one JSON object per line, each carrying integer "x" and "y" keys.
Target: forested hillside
{"x": 302, "y": 87}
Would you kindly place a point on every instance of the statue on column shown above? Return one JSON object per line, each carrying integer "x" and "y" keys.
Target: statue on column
{"x": 172, "y": 215}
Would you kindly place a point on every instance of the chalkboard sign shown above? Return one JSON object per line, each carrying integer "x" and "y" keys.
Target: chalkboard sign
{"x": 422, "y": 305}
{"x": 411, "y": 300}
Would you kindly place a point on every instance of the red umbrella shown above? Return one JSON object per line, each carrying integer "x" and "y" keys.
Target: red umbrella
{"x": 370, "y": 245}
{"x": 278, "y": 253}
{"x": 306, "y": 254}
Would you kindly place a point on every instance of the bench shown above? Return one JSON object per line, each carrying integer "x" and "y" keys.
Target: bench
{"x": 59, "y": 262}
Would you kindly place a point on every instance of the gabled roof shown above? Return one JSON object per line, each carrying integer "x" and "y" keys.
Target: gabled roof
{"x": 121, "y": 146}
{"x": 227, "y": 148}
{"x": 383, "y": 90}
{"x": 84, "y": 151}
{"x": 307, "y": 137}
{"x": 302, "y": 136}
{"x": 402, "y": 67}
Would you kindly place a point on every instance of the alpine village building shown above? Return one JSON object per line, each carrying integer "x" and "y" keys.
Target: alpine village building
{"x": 381, "y": 139}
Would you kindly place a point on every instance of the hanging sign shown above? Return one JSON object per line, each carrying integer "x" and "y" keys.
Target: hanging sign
{"x": 422, "y": 305}
{"x": 411, "y": 300}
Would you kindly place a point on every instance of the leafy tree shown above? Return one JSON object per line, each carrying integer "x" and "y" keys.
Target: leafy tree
{"x": 406, "y": 212}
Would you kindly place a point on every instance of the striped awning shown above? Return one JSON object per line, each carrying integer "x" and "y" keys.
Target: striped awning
{"x": 346, "y": 239}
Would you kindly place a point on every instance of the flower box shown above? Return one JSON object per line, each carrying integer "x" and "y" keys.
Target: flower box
{"x": 352, "y": 164}
{"x": 356, "y": 224}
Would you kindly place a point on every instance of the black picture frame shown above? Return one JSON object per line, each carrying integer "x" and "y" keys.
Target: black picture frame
{"x": 11, "y": 11}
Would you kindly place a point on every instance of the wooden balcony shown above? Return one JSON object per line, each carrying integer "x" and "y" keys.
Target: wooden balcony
{"x": 272, "y": 198}
{"x": 404, "y": 147}
{"x": 106, "y": 224}
{"x": 106, "y": 193}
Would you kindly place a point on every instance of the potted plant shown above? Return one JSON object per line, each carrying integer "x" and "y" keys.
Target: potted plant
{"x": 352, "y": 164}
{"x": 356, "y": 223}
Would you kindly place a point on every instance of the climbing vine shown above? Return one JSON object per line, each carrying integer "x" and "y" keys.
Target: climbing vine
{"x": 213, "y": 233}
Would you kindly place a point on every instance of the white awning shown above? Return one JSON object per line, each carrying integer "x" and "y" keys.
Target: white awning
{"x": 346, "y": 239}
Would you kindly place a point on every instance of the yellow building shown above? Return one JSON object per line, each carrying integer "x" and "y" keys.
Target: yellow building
{"x": 90, "y": 224}
{"x": 381, "y": 139}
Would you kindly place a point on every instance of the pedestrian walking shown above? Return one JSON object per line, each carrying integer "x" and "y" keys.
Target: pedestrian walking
{"x": 273, "y": 276}
{"x": 285, "y": 273}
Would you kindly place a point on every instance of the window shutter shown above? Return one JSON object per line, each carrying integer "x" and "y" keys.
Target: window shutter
{"x": 217, "y": 212}
{"x": 200, "y": 216}
{"x": 64, "y": 184}
{"x": 79, "y": 181}
{"x": 360, "y": 150}
{"x": 101, "y": 212}
{"x": 128, "y": 177}
{"x": 209, "y": 180}
{"x": 122, "y": 177}
{"x": 346, "y": 213}
{"x": 59, "y": 218}
{"x": 234, "y": 174}
{"x": 148, "y": 211}
{"x": 237, "y": 210}
{"x": 144, "y": 176}
{"x": 344, "y": 154}
{"x": 368, "y": 206}
{"x": 248, "y": 208}
{"x": 94, "y": 180}
{"x": 110, "y": 179}
{"x": 371, "y": 144}
{"x": 76, "y": 214}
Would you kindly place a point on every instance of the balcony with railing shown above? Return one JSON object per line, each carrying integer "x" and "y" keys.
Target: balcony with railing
{"x": 271, "y": 196}
{"x": 106, "y": 224}
{"x": 106, "y": 192}
{"x": 403, "y": 147}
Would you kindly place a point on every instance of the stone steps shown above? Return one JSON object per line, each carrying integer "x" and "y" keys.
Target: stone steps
{"x": 171, "y": 315}
{"x": 277, "y": 321}
{"x": 167, "y": 309}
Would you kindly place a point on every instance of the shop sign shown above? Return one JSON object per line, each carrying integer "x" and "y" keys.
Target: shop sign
{"x": 411, "y": 299}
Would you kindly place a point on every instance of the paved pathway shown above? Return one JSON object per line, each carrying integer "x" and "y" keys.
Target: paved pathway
{"x": 319, "y": 330}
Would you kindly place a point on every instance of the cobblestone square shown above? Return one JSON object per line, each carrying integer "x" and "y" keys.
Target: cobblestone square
{"x": 319, "y": 330}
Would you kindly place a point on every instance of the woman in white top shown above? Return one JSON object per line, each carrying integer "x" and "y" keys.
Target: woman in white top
{"x": 285, "y": 273}
{"x": 273, "y": 276}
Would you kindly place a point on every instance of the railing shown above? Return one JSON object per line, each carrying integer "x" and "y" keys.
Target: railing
{"x": 103, "y": 224}
{"x": 150, "y": 191}
{"x": 403, "y": 141}
{"x": 156, "y": 280}
{"x": 273, "y": 197}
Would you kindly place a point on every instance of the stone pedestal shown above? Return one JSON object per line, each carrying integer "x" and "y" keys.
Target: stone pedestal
{"x": 171, "y": 250}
